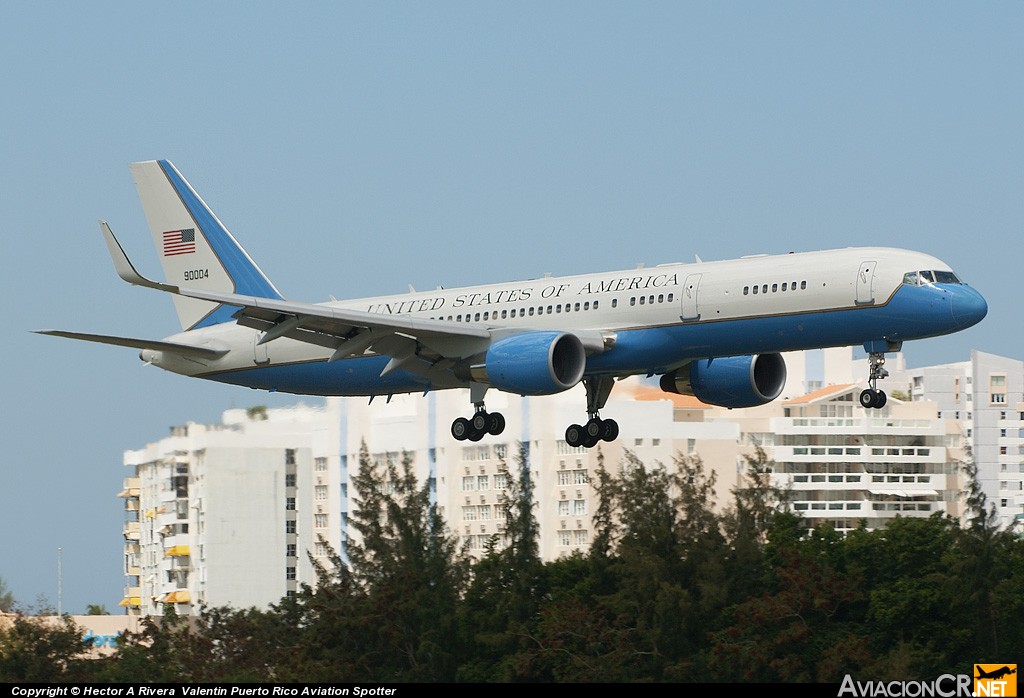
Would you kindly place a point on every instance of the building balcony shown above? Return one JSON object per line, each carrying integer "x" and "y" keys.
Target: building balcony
{"x": 857, "y": 426}
{"x": 859, "y": 454}
{"x": 867, "y": 481}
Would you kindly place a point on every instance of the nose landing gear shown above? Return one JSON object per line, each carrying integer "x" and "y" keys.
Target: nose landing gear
{"x": 872, "y": 397}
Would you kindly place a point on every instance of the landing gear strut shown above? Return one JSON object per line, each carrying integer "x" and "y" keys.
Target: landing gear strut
{"x": 872, "y": 397}
{"x": 596, "y": 429}
{"x": 482, "y": 422}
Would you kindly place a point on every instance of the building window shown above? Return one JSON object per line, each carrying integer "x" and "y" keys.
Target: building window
{"x": 289, "y": 456}
{"x": 320, "y": 464}
{"x": 289, "y": 526}
{"x": 320, "y": 520}
{"x": 321, "y": 493}
{"x": 289, "y": 504}
{"x": 579, "y": 507}
{"x": 289, "y": 550}
{"x": 289, "y": 480}
{"x": 289, "y": 574}
{"x": 563, "y": 507}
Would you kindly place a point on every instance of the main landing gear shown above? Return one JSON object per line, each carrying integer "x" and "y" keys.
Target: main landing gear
{"x": 872, "y": 397}
{"x": 596, "y": 429}
{"x": 482, "y": 422}
{"x": 479, "y": 425}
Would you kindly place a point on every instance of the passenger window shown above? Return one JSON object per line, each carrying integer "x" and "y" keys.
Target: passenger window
{"x": 477, "y": 318}
{"x": 784, "y": 284}
{"x": 764, "y": 289}
{"x": 595, "y": 304}
{"x": 486, "y": 314}
{"x": 632, "y": 301}
{"x": 531, "y": 312}
{"x": 577, "y": 308}
{"x": 615, "y": 302}
{"x": 459, "y": 319}
{"x": 642, "y": 299}
{"x": 803, "y": 285}
{"x": 746, "y": 290}
{"x": 549, "y": 310}
{"x": 651, "y": 301}
{"x": 755, "y": 289}
{"x": 670, "y": 297}
{"x": 661, "y": 298}
{"x": 775, "y": 288}
{"x": 504, "y": 314}
{"x": 586, "y": 305}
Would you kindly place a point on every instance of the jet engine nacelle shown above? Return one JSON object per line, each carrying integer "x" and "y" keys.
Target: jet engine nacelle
{"x": 533, "y": 363}
{"x": 735, "y": 381}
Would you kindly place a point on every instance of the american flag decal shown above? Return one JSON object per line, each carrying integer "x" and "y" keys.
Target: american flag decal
{"x": 179, "y": 242}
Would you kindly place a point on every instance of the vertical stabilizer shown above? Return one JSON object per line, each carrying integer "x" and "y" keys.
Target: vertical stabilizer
{"x": 194, "y": 247}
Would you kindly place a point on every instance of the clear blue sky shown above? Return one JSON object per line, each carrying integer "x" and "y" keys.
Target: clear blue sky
{"x": 357, "y": 148}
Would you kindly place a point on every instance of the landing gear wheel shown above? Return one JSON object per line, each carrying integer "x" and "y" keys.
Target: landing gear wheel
{"x": 594, "y": 429}
{"x": 495, "y": 423}
{"x": 476, "y": 435}
{"x": 461, "y": 429}
{"x": 872, "y": 399}
{"x": 609, "y": 430}
{"x": 574, "y": 435}
{"x": 479, "y": 421}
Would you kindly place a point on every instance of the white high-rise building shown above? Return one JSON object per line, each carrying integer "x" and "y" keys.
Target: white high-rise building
{"x": 986, "y": 395}
{"x": 224, "y": 514}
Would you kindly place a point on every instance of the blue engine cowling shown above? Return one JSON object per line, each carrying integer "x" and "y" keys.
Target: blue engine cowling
{"x": 735, "y": 381}
{"x": 533, "y": 363}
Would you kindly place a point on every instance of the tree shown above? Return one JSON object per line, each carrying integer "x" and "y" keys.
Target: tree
{"x": 96, "y": 609}
{"x": 42, "y": 650}
{"x": 7, "y": 602}
{"x": 408, "y": 570}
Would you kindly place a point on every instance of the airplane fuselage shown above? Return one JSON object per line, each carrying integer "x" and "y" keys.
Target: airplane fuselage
{"x": 650, "y": 320}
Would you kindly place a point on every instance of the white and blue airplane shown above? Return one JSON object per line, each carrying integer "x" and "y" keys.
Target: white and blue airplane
{"x": 714, "y": 330}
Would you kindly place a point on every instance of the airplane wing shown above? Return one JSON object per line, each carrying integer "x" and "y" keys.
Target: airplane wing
{"x": 176, "y": 347}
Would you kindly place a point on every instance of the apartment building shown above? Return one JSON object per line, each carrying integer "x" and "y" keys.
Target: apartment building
{"x": 984, "y": 394}
{"x": 224, "y": 514}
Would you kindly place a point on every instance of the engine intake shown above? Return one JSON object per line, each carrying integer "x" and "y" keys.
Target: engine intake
{"x": 735, "y": 381}
{"x": 533, "y": 363}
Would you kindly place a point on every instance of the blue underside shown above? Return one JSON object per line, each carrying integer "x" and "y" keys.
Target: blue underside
{"x": 912, "y": 313}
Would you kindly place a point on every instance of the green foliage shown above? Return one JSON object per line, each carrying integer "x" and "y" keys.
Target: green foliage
{"x": 6, "y": 598}
{"x": 42, "y": 650}
{"x": 670, "y": 590}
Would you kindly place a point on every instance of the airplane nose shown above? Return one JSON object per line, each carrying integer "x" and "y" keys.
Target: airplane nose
{"x": 968, "y": 307}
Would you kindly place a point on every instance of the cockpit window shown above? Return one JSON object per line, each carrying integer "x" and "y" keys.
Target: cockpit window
{"x": 928, "y": 276}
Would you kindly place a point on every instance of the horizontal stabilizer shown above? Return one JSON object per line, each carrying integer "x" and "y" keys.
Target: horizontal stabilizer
{"x": 155, "y": 345}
